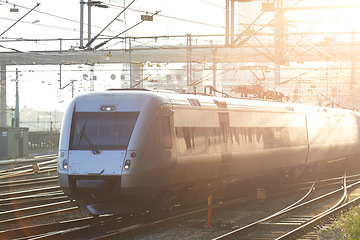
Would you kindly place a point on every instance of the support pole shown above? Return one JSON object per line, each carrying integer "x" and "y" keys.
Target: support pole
{"x": 189, "y": 59}
{"x": 89, "y": 22}
{"x": 209, "y": 210}
{"x": 3, "y": 106}
{"x": 227, "y": 23}
{"x": 16, "y": 122}
{"x": 214, "y": 66}
{"x": 130, "y": 62}
{"x": 60, "y": 72}
{"x": 353, "y": 58}
{"x": 232, "y": 21}
{"x": 92, "y": 78}
{"x": 214, "y": 75}
{"x": 81, "y": 24}
{"x": 279, "y": 42}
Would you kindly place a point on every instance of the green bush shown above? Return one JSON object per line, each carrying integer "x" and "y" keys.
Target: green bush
{"x": 347, "y": 226}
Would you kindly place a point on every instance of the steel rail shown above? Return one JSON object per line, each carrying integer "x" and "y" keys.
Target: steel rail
{"x": 24, "y": 181}
{"x": 48, "y": 160}
{"x": 44, "y": 228}
{"x": 320, "y": 216}
{"x": 32, "y": 196}
{"x": 28, "y": 172}
{"x": 139, "y": 226}
{"x": 26, "y": 192}
{"x": 53, "y": 212}
{"x": 288, "y": 209}
{"x": 21, "y": 183}
{"x": 54, "y": 231}
{"x": 26, "y": 209}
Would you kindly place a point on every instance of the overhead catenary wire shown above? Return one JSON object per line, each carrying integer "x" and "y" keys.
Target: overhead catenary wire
{"x": 94, "y": 38}
{"x": 173, "y": 17}
{"x": 51, "y": 15}
{"x": 38, "y": 4}
{"x": 126, "y": 30}
{"x": 111, "y": 5}
{"x": 289, "y": 42}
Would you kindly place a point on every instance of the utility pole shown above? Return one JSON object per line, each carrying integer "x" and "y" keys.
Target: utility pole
{"x": 3, "y": 106}
{"x": 188, "y": 62}
{"x": 16, "y": 120}
{"x": 130, "y": 60}
{"x": 230, "y": 20}
{"x": 89, "y": 22}
{"x": 280, "y": 44}
{"x": 81, "y": 24}
{"x": 353, "y": 58}
{"x": 90, "y": 3}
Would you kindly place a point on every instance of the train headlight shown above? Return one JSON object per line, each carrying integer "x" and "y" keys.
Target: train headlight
{"x": 127, "y": 164}
{"x": 65, "y": 164}
{"x": 107, "y": 108}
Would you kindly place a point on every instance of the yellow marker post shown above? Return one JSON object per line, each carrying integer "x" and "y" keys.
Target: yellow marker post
{"x": 260, "y": 195}
{"x": 209, "y": 209}
{"x": 36, "y": 168}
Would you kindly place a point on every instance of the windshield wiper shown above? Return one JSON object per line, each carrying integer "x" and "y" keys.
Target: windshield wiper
{"x": 82, "y": 132}
{"x": 92, "y": 147}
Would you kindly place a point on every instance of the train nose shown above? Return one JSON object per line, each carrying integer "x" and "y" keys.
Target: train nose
{"x": 90, "y": 184}
{"x": 94, "y": 188}
{"x": 84, "y": 162}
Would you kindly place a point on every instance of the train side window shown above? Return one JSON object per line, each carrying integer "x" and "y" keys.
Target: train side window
{"x": 166, "y": 132}
{"x": 250, "y": 134}
{"x": 187, "y": 137}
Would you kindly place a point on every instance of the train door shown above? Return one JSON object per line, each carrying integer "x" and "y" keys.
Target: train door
{"x": 225, "y": 140}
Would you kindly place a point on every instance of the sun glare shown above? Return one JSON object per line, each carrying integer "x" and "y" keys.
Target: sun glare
{"x": 327, "y": 16}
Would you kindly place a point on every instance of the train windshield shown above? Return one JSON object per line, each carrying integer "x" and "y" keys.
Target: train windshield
{"x": 97, "y": 131}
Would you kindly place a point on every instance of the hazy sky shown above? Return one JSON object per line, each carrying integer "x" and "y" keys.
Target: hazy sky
{"x": 60, "y": 19}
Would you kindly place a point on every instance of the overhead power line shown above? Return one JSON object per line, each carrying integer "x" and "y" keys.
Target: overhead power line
{"x": 51, "y": 15}
{"x": 20, "y": 19}
{"x": 171, "y": 17}
{"x": 94, "y": 38}
{"x": 116, "y": 36}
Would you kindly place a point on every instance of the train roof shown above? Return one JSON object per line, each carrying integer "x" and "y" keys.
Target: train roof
{"x": 145, "y": 97}
{"x": 202, "y": 101}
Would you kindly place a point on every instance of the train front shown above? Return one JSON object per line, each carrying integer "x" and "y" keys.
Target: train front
{"x": 93, "y": 151}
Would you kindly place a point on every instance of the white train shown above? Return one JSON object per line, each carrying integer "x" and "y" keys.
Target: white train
{"x": 123, "y": 151}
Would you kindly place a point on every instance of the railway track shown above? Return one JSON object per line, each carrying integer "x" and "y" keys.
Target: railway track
{"x": 26, "y": 195}
{"x": 321, "y": 184}
{"x": 104, "y": 227}
{"x": 296, "y": 219}
{"x": 23, "y": 183}
{"x": 22, "y": 206}
{"x": 110, "y": 227}
{"x": 46, "y": 164}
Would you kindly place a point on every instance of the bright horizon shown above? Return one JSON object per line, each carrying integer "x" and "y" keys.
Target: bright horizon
{"x": 38, "y": 85}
